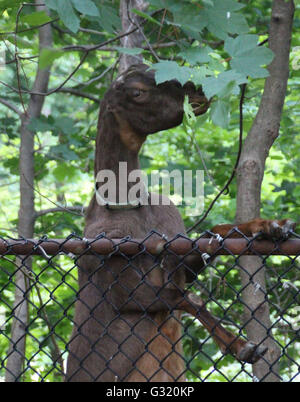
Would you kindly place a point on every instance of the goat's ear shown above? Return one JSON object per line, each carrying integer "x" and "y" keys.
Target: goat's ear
{"x": 189, "y": 87}
{"x": 139, "y": 69}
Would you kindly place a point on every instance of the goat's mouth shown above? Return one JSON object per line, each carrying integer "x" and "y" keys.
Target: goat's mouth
{"x": 200, "y": 104}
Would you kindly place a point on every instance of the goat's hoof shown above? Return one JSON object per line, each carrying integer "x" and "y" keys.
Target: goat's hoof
{"x": 251, "y": 352}
{"x": 281, "y": 232}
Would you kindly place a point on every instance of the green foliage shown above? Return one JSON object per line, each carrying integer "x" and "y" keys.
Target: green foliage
{"x": 87, "y": 8}
{"x": 68, "y": 15}
{"x": 168, "y": 70}
{"x": 5, "y": 4}
{"x": 36, "y": 18}
{"x": 47, "y": 57}
{"x": 247, "y": 57}
{"x": 216, "y": 46}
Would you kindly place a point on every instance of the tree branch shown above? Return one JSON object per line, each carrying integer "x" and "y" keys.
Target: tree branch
{"x": 112, "y": 49}
{"x": 26, "y": 211}
{"x": 11, "y": 106}
{"x": 70, "y": 209}
{"x": 257, "y": 145}
{"x": 78, "y": 93}
{"x": 88, "y": 48}
{"x": 132, "y": 23}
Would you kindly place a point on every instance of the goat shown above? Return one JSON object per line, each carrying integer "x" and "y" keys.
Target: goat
{"x": 127, "y": 320}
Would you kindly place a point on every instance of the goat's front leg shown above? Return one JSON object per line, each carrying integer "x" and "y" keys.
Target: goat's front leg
{"x": 154, "y": 299}
{"x": 258, "y": 228}
{"x": 271, "y": 229}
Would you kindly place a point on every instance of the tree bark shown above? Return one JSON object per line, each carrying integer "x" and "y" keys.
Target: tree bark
{"x": 250, "y": 173}
{"x": 27, "y": 215}
{"x": 129, "y": 21}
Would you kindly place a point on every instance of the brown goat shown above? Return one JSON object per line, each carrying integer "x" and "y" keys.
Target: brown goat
{"x": 127, "y": 318}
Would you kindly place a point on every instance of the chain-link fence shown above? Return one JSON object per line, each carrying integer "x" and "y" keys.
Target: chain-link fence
{"x": 134, "y": 321}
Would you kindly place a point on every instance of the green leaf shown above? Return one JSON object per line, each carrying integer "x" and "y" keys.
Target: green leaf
{"x": 219, "y": 113}
{"x": 53, "y": 4}
{"x": 109, "y": 20}
{"x": 250, "y": 63}
{"x": 169, "y": 70}
{"x": 188, "y": 111}
{"x": 65, "y": 124}
{"x": 240, "y": 45}
{"x": 86, "y": 7}
{"x": 65, "y": 171}
{"x": 222, "y": 18}
{"x": 218, "y": 85}
{"x": 189, "y": 20}
{"x": 199, "y": 74}
{"x": 196, "y": 55}
{"x": 247, "y": 57}
{"x": 40, "y": 124}
{"x": 67, "y": 15}
{"x": 48, "y": 56}
{"x": 146, "y": 16}
{"x": 172, "y": 5}
{"x": 208, "y": 2}
{"x": 36, "y": 18}
{"x": 4, "y": 4}
{"x": 64, "y": 152}
{"x": 228, "y": 5}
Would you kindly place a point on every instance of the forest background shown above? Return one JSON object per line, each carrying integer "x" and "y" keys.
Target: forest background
{"x": 58, "y": 57}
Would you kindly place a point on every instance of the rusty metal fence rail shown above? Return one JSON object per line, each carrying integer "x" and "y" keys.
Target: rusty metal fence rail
{"x": 39, "y": 288}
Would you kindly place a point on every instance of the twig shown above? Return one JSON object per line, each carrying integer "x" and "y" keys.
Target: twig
{"x": 70, "y": 209}
{"x": 98, "y": 77}
{"x": 87, "y": 48}
{"x": 53, "y": 90}
{"x": 136, "y": 23}
{"x": 8, "y": 184}
{"x": 80, "y": 94}
{"x": 28, "y": 29}
{"x": 17, "y": 59}
{"x": 202, "y": 159}
{"x": 226, "y": 187}
{"x": 162, "y": 23}
{"x": 113, "y": 49}
{"x": 91, "y": 31}
{"x": 59, "y": 207}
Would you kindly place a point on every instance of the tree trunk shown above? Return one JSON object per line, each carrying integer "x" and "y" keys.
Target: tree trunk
{"x": 129, "y": 21}
{"x": 261, "y": 137}
{"x": 16, "y": 353}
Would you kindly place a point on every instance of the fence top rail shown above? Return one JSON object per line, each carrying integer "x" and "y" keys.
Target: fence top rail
{"x": 154, "y": 245}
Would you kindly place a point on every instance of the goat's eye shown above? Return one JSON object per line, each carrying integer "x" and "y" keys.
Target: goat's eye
{"x": 136, "y": 92}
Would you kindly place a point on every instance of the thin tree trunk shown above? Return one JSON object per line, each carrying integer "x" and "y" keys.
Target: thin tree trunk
{"x": 129, "y": 21}
{"x": 261, "y": 137}
{"x": 16, "y": 353}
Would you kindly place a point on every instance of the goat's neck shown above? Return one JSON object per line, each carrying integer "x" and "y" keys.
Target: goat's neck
{"x": 116, "y": 143}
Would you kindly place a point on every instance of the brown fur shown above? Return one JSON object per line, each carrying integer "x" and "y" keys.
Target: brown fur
{"x": 127, "y": 319}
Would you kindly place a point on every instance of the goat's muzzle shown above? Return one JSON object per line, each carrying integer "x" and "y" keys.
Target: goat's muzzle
{"x": 197, "y": 99}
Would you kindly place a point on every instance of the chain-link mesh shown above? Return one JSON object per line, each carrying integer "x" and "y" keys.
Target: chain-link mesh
{"x": 123, "y": 326}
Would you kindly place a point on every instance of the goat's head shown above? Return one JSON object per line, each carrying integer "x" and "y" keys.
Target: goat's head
{"x": 146, "y": 107}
